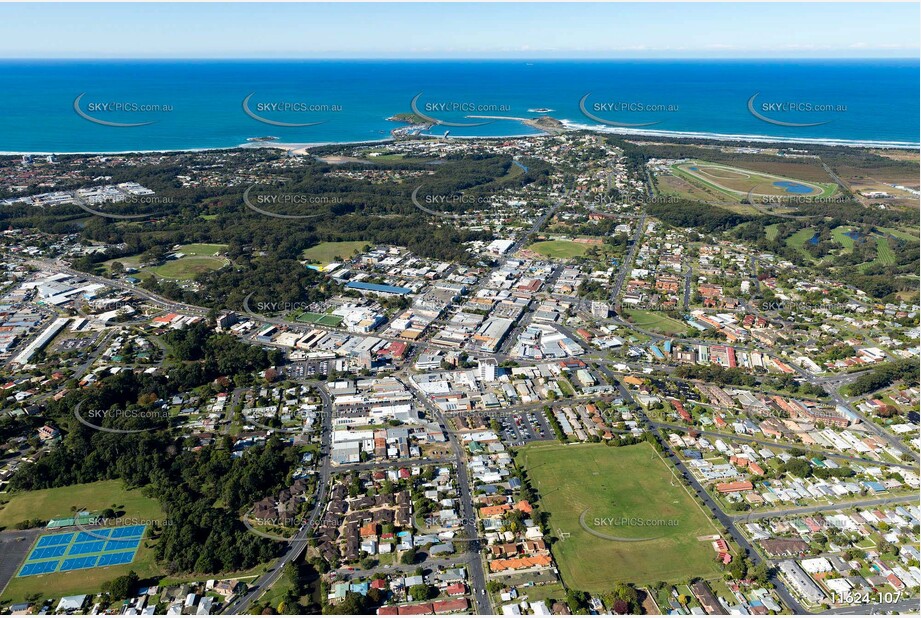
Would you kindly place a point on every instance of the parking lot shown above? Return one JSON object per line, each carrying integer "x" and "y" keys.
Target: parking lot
{"x": 306, "y": 369}
{"x": 519, "y": 428}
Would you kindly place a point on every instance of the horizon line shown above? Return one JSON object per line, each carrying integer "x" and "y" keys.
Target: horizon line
{"x": 451, "y": 58}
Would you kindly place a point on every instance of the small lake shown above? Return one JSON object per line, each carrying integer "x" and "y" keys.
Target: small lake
{"x": 793, "y": 187}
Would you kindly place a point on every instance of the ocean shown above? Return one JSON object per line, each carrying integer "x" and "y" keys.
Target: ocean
{"x": 196, "y": 104}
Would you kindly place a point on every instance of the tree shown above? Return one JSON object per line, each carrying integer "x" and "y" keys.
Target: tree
{"x": 420, "y": 592}
{"x": 121, "y": 587}
{"x": 409, "y": 556}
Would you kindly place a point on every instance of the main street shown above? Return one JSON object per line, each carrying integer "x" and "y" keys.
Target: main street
{"x": 471, "y": 557}
{"x": 468, "y": 516}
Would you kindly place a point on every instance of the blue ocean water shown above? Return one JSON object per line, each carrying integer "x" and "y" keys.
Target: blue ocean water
{"x": 199, "y": 104}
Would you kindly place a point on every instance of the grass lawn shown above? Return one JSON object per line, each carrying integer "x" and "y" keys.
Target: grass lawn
{"x": 277, "y": 592}
{"x": 329, "y": 252}
{"x": 910, "y": 236}
{"x": 319, "y": 318}
{"x": 187, "y": 267}
{"x": 198, "y": 258}
{"x": 563, "y": 249}
{"x": 799, "y": 239}
{"x": 543, "y": 592}
{"x": 387, "y": 157}
{"x": 56, "y": 503}
{"x": 840, "y": 234}
{"x": 736, "y": 181}
{"x": 83, "y": 581}
{"x": 884, "y": 252}
{"x": 656, "y": 321}
{"x": 131, "y": 261}
{"x": 202, "y": 248}
{"x": 594, "y": 482}
{"x": 771, "y": 231}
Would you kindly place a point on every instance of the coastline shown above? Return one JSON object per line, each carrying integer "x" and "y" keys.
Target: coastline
{"x": 568, "y": 125}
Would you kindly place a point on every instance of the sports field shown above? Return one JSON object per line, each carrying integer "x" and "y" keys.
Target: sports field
{"x": 57, "y": 503}
{"x": 329, "y": 252}
{"x": 736, "y": 182}
{"x": 84, "y": 549}
{"x": 619, "y": 515}
{"x": 656, "y": 321}
{"x": 197, "y": 258}
{"x": 186, "y": 268}
{"x": 323, "y": 319}
{"x": 563, "y": 249}
{"x": 201, "y": 249}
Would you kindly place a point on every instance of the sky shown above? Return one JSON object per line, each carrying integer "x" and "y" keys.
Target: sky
{"x": 460, "y": 30}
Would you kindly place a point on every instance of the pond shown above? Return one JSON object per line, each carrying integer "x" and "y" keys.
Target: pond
{"x": 793, "y": 187}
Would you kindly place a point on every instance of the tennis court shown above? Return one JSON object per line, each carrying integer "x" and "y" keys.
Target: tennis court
{"x": 86, "y": 549}
{"x": 54, "y": 539}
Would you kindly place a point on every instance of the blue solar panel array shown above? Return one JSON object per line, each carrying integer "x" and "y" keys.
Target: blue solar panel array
{"x": 87, "y": 549}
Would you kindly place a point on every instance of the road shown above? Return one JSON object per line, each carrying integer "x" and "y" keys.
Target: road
{"x": 890, "y": 439}
{"x": 803, "y": 510}
{"x": 769, "y": 443}
{"x": 474, "y": 565}
{"x": 727, "y": 522}
{"x": 627, "y": 264}
{"x": 299, "y": 542}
